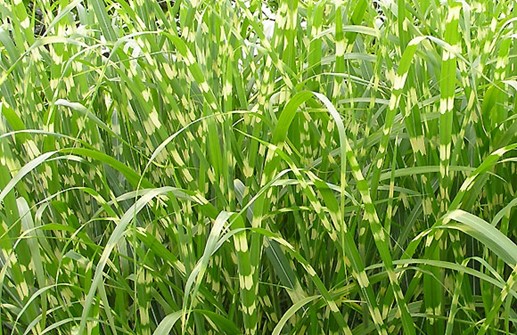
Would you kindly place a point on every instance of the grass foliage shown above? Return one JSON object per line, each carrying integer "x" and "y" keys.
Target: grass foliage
{"x": 279, "y": 167}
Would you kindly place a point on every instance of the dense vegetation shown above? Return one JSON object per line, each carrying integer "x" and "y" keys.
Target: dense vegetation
{"x": 285, "y": 167}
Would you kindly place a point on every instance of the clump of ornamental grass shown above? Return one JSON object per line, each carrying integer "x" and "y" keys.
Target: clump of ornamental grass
{"x": 280, "y": 167}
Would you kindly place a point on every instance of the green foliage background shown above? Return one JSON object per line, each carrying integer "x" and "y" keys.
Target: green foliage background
{"x": 179, "y": 167}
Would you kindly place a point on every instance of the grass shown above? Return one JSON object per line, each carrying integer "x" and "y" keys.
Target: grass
{"x": 179, "y": 167}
